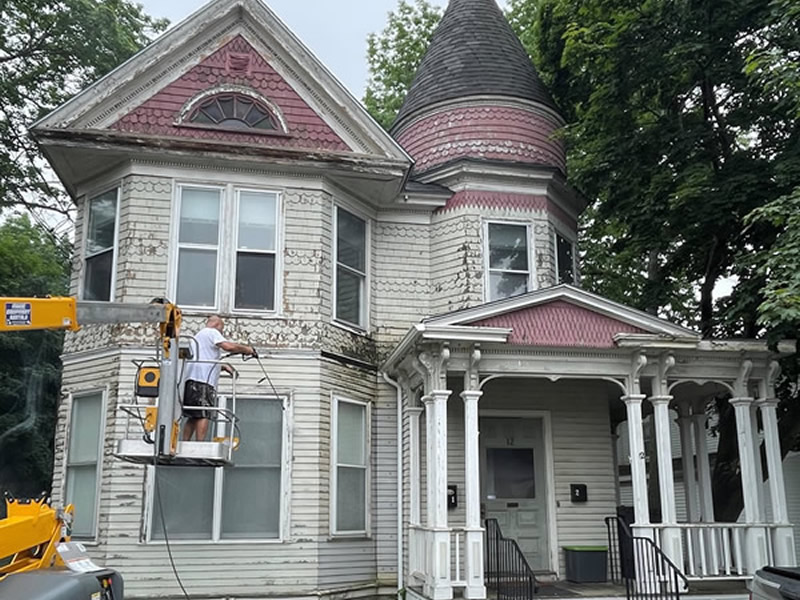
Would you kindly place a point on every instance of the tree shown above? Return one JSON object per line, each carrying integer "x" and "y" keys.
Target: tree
{"x": 32, "y": 263}
{"x": 49, "y": 49}
{"x": 394, "y": 55}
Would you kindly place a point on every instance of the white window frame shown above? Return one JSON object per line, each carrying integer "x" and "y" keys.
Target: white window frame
{"x": 85, "y": 233}
{"x": 103, "y": 392}
{"x": 227, "y": 247}
{"x": 216, "y": 528}
{"x": 487, "y": 250}
{"x": 363, "y": 326}
{"x": 336, "y": 399}
{"x": 277, "y": 252}
{"x": 573, "y": 242}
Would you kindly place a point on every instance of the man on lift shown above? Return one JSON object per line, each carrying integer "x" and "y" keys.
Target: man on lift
{"x": 202, "y": 376}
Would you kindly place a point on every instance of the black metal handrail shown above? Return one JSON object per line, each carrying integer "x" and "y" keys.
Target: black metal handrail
{"x": 507, "y": 569}
{"x": 647, "y": 571}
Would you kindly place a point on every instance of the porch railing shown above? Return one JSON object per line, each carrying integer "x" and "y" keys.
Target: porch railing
{"x": 716, "y": 550}
{"x": 458, "y": 543}
{"x": 639, "y": 561}
{"x": 507, "y": 569}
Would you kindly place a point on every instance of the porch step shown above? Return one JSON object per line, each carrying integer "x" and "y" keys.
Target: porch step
{"x": 717, "y": 588}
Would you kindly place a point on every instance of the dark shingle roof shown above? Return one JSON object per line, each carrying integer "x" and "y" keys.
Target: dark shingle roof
{"x": 474, "y": 51}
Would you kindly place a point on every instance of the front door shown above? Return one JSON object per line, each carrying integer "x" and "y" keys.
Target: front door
{"x": 513, "y": 483}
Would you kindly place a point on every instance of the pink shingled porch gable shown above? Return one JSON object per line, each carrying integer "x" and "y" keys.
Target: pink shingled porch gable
{"x": 560, "y": 323}
{"x": 236, "y": 63}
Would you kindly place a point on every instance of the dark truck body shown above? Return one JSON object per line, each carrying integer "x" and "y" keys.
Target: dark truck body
{"x": 776, "y": 583}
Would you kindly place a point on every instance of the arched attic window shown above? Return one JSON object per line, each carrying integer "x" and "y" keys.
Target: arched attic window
{"x": 234, "y": 110}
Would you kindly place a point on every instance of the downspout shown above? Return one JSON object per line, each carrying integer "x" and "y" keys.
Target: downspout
{"x": 396, "y": 386}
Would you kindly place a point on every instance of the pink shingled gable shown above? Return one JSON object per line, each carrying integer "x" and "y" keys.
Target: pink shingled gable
{"x": 560, "y": 323}
{"x": 490, "y": 132}
{"x": 236, "y": 63}
{"x": 503, "y": 200}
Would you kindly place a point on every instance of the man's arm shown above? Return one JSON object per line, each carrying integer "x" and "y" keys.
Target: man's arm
{"x": 234, "y": 348}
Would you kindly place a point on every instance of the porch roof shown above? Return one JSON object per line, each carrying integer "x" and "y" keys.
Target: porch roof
{"x": 565, "y": 317}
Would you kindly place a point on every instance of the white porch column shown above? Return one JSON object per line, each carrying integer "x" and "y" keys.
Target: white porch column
{"x": 687, "y": 461}
{"x": 762, "y": 501}
{"x": 671, "y": 536}
{"x": 756, "y": 536}
{"x": 641, "y": 507}
{"x": 476, "y": 588}
{"x": 414, "y": 414}
{"x": 783, "y": 542}
{"x": 703, "y": 467}
{"x": 438, "y": 585}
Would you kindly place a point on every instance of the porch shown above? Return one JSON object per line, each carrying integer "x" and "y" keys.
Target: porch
{"x": 544, "y": 463}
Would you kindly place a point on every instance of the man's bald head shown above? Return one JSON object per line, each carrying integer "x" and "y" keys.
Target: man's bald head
{"x": 215, "y": 322}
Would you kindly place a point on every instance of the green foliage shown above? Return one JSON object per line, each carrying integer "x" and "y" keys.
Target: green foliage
{"x": 673, "y": 140}
{"x": 394, "y": 55}
{"x": 32, "y": 263}
{"x": 49, "y": 49}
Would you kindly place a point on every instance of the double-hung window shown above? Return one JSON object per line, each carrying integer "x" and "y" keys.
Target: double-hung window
{"x": 100, "y": 248}
{"x": 508, "y": 260}
{"x": 227, "y": 254}
{"x": 350, "y": 466}
{"x": 565, "y": 259}
{"x": 351, "y": 269}
{"x": 228, "y": 503}
{"x": 83, "y": 461}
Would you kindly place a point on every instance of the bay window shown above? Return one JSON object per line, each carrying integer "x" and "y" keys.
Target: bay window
{"x": 351, "y": 269}
{"x": 84, "y": 453}
{"x": 508, "y": 260}
{"x": 228, "y": 503}
{"x": 227, "y": 249}
{"x": 100, "y": 247}
{"x": 350, "y": 471}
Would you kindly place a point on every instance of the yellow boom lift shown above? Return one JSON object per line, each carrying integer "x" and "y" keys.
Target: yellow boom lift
{"x": 34, "y": 536}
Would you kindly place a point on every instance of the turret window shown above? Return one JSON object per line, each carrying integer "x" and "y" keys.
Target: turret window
{"x": 508, "y": 258}
{"x": 234, "y": 111}
{"x": 565, "y": 259}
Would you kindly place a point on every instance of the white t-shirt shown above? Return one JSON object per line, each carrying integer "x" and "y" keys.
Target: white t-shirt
{"x": 207, "y": 350}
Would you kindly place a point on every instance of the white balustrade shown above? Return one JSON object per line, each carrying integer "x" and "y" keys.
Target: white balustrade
{"x": 458, "y": 542}
{"x": 715, "y": 550}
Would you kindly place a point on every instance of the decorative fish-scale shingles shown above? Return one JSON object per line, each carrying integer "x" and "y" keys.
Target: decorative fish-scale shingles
{"x": 160, "y": 115}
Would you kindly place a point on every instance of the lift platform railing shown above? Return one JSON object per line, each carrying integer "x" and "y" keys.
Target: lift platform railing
{"x": 140, "y": 419}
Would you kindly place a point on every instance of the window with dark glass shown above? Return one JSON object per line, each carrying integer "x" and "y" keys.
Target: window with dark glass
{"x": 234, "y": 111}
{"x": 256, "y": 250}
{"x": 565, "y": 259}
{"x": 509, "y": 271}
{"x": 100, "y": 247}
{"x": 351, "y": 268}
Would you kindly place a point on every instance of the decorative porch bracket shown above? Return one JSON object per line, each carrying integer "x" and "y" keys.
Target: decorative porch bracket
{"x": 474, "y": 559}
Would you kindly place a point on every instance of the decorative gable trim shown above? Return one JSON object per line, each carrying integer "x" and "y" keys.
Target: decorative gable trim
{"x": 199, "y": 36}
{"x": 639, "y": 320}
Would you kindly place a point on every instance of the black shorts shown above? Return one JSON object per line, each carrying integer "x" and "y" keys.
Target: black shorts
{"x": 198, "y": 394}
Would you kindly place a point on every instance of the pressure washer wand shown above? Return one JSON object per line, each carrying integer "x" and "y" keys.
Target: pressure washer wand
{"x": 266, "y": 375}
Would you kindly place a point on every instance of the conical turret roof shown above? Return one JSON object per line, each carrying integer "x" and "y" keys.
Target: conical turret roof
{"x": 473, "y": 52}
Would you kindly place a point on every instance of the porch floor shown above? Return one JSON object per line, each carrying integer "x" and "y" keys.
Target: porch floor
{"x": 711, "y": 590}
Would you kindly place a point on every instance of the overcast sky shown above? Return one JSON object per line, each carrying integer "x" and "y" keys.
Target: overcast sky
{"x": 336, "y": 30}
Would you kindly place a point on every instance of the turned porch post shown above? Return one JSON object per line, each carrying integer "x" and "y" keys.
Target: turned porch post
{"x": 756, "y": 536}
{"x": 783, "y": 542}
{"x": 476, "y": 588}
{"x": 438, "y": 585}
{"x": 671, "y": 536}
{"x": 638, "y": 457}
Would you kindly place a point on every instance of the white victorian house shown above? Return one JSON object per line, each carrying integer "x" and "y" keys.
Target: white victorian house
{"x": 416, "y": 299}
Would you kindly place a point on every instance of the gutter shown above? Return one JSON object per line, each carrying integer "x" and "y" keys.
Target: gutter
{"x": 396, "y": 386}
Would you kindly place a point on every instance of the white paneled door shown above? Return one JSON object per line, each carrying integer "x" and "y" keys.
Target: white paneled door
{"x": 513, "y": 483}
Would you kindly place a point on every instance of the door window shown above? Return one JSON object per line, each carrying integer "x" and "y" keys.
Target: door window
{"x": 510, "y": 473}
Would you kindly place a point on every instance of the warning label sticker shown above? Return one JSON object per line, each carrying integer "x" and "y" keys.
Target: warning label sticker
{"x": 18, "y": 314}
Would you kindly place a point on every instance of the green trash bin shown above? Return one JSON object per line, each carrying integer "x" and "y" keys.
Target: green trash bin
{"x": 586, "y": 564}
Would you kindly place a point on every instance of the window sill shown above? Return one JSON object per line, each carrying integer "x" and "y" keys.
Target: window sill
{"x": 237, "y": 314}
{"x": 350, "y": 537}
{"x": 354, "y": 329}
